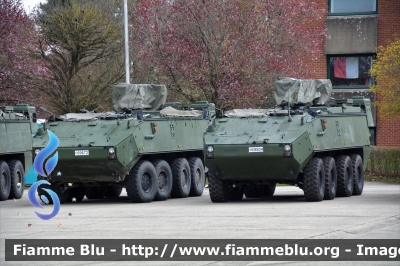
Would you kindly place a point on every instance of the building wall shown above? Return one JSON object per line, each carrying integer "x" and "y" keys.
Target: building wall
{"x": 388, "y": 130}
{"x": 317, "y": 65}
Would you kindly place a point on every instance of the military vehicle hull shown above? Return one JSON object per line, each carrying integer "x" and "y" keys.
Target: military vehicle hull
{"x": 323, "y": 150}
{"x": 79, "y": 160}
{"x": 256, "y": 160}
{"x": 17, "y": 123}
{"x": 153, "y": 154}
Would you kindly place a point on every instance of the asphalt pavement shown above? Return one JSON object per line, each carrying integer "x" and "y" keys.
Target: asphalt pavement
{"x": 373, "y": 215}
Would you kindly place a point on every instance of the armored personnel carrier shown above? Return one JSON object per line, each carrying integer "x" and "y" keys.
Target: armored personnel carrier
{"x": 311, "y": 141}
{"x": 17, "y": 124}
{"x": 153, "y": 153}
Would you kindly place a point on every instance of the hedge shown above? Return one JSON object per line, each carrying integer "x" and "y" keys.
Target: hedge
{"x": 384, "y": 162}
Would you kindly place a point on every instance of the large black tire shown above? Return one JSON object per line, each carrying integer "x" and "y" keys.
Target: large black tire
{"x": 253, "y": 191}
{"x": 141, "y": 184}
{"x": 181, "y": 178}
{"x": 17, "y": 174}
{"x": 235, "y": 194}
{"x": 314, "y": 180}
{"x": 268, "y": 190}
{"x": 330, "y": 178}
{"x": 5, "y": 181}
{"x": 358, "y": 174}
{"x": 344, "y": 176}
{"x": 76, "y": 194}
{"x": 63, "y": 197}
{"x": 218, "y": 189}
{"x": 198, "y": 178}
{"x": 164, "y": 179}
{"x": 113, "y": 191}
{"x": 96, "y": 192}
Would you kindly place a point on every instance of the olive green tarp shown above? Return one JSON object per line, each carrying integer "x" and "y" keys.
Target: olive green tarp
{"x": 302, "y": 91}
{"x": 138, "y": 96}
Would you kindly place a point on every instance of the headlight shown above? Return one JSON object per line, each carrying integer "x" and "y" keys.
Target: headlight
{"x": 210, "y": 152}
{"x": 111, "y": 153}
{"x": 37, "y": 151}
{"x": 287, "y": 151}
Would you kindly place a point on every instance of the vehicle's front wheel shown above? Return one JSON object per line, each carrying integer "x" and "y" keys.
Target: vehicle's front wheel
{"x": 141, "y": 184}
{"x": 314, "y": 180}
{"x": 5, "y": 181}
{"x": 218, "y": 189}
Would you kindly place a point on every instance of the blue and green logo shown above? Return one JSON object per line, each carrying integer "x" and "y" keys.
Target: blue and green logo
{"x": 45, "y": 171}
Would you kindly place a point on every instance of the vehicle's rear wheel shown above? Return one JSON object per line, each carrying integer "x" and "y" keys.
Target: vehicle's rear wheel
{"x": 46, "y": 198}
{"x": 218, "y": 189}
{"x": 253, "y": 191}
{"x": 141, "y": 184}
{"x": 268, "y": 190}
{"x": 344, "y": 176}
{"x": 96, "y": 192}
{"x": 358, "y": 174}
{"x": 198, "y": 178}
{"x": 164, "y": 179}
{"x": 330, "y": 178}
{"x": 181, "y": 178}
{"x": 17, "y": 177}
{"x": 235, "y": 194}
{"x": 5, "y": 181}
{"x": 314, "y": 180}
{"x": 113, "y": 191}
{"x": 76, "y": 194}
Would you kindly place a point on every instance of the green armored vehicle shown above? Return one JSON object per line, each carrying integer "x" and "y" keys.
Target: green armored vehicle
{"x": 17, "y": 124}
{"x": 311, "y": 141}
{"x": 153, "y": 153}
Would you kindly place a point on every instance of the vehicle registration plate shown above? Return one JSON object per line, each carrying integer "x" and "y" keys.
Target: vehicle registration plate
{"x": 256, "y": 149}
{"x": 81, "y": 152}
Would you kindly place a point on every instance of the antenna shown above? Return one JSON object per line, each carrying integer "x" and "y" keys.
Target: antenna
{"x": 290, "y": 119}
{"x": 127, "y": 73}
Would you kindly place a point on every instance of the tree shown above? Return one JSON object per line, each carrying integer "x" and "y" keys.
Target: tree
{"x": 228, "y": 52}
{"x": 386, "y": 70}
{"x": 17, "y": 69}
{"x": 82, "y": 49}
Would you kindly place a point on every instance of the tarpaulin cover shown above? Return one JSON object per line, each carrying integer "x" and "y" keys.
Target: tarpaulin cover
{"x": 138, "y": 96}
{"x": 170, "y": 111}
{"x": 246, "y": 113}
{"x": 302, "y": 91}
{"x": 82, "y": 116}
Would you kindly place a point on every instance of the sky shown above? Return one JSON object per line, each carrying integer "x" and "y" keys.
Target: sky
{"x": 30, "y": 4}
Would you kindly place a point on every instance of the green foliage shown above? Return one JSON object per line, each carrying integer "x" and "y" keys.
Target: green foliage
{"x": 386, "y": 70}
{"x": 81, "y": 45}
{"x": 384, "y": 164}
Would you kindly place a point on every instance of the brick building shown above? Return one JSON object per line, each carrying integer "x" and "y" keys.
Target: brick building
{"x": 355, "y": 28}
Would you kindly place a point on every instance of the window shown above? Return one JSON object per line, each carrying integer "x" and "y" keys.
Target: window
{"x": 350, "y": 72}
{"x": 347, "y": 7}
